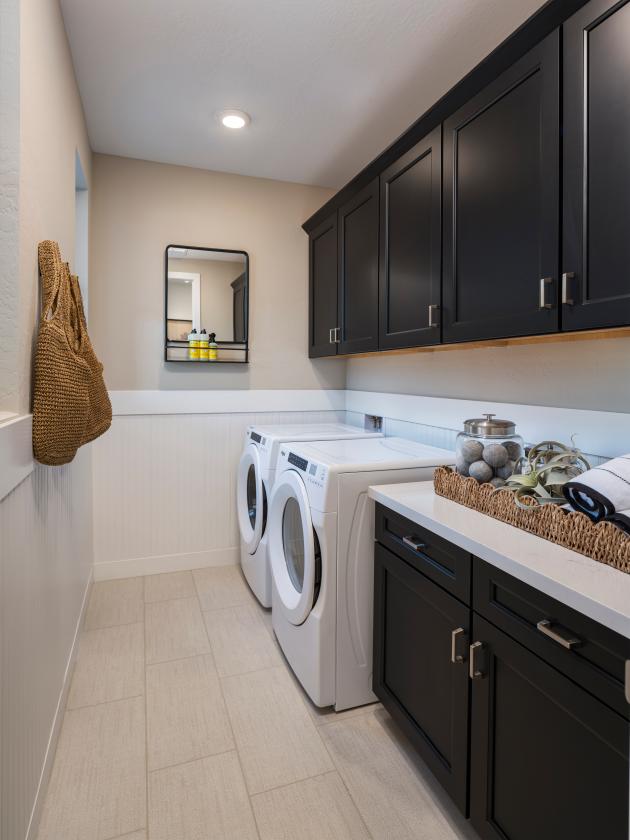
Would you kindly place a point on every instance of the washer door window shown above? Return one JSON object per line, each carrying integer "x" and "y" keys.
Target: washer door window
{"x": 251, "y": 499}
{"x": 293, "y": 548}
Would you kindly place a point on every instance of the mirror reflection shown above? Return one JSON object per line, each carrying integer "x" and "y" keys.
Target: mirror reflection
{"x": 206, "y": 290}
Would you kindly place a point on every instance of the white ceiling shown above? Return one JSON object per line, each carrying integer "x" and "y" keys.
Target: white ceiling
{"x": 328, "y": 83}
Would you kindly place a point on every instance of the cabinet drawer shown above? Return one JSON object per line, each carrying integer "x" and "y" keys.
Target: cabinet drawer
{"x": 441, "y": 561}
{"x": 591, "y": 655}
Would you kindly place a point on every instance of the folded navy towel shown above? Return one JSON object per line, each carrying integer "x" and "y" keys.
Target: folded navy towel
{"x": 621, "y": 519}
{"x": 602, "y": 491}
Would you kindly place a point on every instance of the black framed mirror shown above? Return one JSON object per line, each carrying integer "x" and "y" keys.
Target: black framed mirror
{"x": 206, "y": 305}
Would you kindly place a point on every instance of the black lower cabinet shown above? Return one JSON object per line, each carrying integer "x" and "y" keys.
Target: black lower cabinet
{"x": 414, "y": 675}
{"x": 548, "y": 760}
{"x": 522, "y": 718}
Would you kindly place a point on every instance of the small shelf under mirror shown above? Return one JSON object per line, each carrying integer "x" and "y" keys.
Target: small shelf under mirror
{"x": 206, "y": 309}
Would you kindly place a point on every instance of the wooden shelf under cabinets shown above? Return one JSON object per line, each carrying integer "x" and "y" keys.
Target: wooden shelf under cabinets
{"x": 554, "y": 338}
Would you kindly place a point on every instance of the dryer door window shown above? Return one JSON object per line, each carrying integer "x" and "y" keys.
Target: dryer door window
{"x": 293, "y": 548}
{"x": 252, "y": 497}
{"x": 251, "y": 502}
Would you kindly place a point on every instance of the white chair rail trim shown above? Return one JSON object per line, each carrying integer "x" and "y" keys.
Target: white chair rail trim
{"x": 16, "y": 451}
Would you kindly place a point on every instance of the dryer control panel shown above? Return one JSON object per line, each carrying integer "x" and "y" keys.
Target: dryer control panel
{"x": 314, "y": 474}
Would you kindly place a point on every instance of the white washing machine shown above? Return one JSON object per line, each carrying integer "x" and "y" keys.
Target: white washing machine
{"x": 256, "y": 473}
{"x": 321, "y": 553}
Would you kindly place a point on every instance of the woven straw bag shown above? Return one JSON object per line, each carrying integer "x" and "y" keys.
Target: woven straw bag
{"x": 70, "y": 403}
{"x": 100, "y": 412}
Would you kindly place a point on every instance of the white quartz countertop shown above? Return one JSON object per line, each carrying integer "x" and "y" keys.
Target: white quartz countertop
{"x": 594, "y": 589}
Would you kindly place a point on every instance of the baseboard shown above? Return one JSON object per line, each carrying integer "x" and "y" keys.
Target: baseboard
{"x": 51, "y": 748}
{"x": 138, "y": 566}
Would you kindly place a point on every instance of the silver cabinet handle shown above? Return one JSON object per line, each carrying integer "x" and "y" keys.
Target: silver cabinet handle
{"x": 458, "y": 643}
{"x": 330, "y": 336}
{"x": 433, "y": 308}
{"x": 336, "y": 331}
{"x": 567, "y": 641}
{"x": 566, "y": 277}
{"x": 544, "y": 282}
{"x": 476, "y": 651}
{"x": 414, "y": 543}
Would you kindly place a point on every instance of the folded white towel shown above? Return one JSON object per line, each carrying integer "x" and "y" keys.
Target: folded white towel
{"x": 602, "y": 491}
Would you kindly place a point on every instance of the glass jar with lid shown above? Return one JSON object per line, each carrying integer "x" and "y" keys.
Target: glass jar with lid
{"x": 488, "y": 450}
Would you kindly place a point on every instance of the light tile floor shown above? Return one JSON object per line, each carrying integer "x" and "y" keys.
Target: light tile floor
{"x": 184, "y": 722}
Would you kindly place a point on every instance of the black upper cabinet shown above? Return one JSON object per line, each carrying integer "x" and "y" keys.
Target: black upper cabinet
{"x": 501, "y": 204}
{"x": 596, "y": 247}
{"x": 358, "y": 272}
{"x": 323, "y": 289}
{"x": 548, "y": 760}
{"x": 410, "y": 247}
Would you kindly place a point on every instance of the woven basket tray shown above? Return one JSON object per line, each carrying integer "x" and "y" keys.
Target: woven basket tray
{"x": 602, "y": 541}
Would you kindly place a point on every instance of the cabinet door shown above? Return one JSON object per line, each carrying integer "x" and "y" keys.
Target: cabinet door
{"x": 596, "y": 247}
{"x": 323, "y": 288}
{"x": 501, "y": 204}
{"x": 411, "y": 242}
{"x": 414, "y": 675}
{"x": 358, "y": 272}
{"x": 548, "y": 760}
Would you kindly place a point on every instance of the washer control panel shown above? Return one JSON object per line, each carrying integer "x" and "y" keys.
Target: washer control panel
{"x": 314, "y": 474}
{"x": 259, "y": 439}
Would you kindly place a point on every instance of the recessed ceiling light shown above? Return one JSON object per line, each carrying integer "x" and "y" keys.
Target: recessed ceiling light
{"x": 234, "y": 119}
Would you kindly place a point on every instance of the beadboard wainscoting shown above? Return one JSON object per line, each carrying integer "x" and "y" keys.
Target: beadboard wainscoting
{"x": 45, "y": 573}
{"x": 437, "y": 420}
{"x": 164, "y": 475}
{"x": 164, "y": 485}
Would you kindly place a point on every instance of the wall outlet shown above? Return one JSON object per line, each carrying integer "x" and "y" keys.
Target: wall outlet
{"x": 372, "y": 423}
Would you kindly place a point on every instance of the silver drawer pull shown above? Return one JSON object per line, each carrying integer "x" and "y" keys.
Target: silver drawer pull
{"x": 459, "y": 645}
{"x": 476, "y": 651}
{"x": 542, "y": 303}
{"x": 414, "y": 542}
{"x": 568, "y": 642}
{"x": 567, "y": 277}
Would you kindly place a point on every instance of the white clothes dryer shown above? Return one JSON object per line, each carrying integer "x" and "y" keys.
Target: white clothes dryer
{"x": 255, "y": 477}
{"x": 321, "y": 554}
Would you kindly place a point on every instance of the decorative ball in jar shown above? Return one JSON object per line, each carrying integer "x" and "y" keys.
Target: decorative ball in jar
{"x": 488, "y": 450}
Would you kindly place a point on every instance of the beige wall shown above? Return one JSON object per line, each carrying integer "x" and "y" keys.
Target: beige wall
{"x": 9, "y": 183}
{"x": 138, "y": 208}
{"x": 45, "y": 522}
{"x": 52, "y": 130}
{"x": 581, "y": 374}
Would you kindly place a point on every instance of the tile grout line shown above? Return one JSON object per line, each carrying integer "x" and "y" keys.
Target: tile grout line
{"x": 179, "y": 658}
{"x": 347, "y": 789}
{"x": 190, "y": 761}
{"x": 111, "y": 626}
{"x": 103, "y": 703}
{"x": 229, "y": 720}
